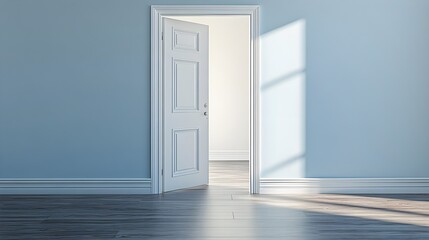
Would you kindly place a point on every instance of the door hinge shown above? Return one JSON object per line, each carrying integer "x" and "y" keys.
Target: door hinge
{"x": 162, "y": 36}
{"x": 162, "y": 172}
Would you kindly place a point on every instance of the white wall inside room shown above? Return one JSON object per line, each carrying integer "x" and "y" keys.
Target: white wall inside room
{"x": 229, "y": 69}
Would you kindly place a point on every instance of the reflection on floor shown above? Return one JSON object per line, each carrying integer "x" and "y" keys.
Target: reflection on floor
{"x": 223, "y": 210}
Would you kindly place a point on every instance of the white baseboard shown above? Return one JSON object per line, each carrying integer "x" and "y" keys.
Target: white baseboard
{"x": 345, "y": 186}
{"x": 267, "y": 186}
{"x": 75, "y": 186}
{"x": 229, "y": 155}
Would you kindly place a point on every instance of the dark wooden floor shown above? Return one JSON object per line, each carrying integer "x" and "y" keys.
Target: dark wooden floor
{"x": 223, "y": 210}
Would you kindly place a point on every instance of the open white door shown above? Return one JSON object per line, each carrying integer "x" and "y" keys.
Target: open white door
{"x": 185, "y": 48}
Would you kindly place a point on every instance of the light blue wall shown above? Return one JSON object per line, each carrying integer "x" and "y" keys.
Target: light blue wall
{"x": 366, "y": 75}
{"x": 75, "y": 88}
{"x": 368, "y": 90}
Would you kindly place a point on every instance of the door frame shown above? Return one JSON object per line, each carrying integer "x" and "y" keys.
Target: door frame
{"x": 157, "y": 148}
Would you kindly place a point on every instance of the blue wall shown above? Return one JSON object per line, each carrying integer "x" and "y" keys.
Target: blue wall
{"x": 75, "y": 88}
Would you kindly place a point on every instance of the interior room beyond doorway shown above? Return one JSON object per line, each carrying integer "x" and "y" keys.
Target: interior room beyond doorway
{"x": 229, "y": 98}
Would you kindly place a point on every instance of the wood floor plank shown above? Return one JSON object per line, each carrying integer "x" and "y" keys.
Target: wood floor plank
{"x": 223, "y": 210}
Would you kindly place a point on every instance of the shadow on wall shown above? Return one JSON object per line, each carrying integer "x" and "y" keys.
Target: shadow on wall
{"x": 283, "y": 101}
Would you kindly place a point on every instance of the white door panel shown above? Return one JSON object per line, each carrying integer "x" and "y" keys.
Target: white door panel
{"x": 185, "y": 49}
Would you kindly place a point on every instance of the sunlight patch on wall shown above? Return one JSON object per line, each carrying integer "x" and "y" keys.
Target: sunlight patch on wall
{"x": 283, "y": 101}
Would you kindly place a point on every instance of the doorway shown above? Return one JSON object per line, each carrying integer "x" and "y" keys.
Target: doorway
{"x": 190, "y": 13}
{"x": 229, "y": 99}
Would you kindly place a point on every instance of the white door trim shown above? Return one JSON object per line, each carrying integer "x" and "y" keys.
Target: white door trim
{"x": 159, "y": 11}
